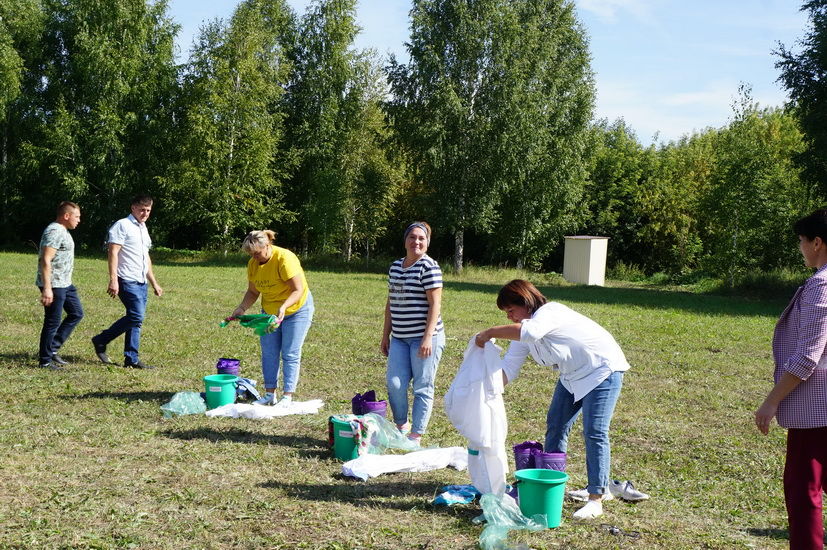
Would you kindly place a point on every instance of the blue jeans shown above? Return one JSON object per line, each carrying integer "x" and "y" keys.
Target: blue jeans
{"x": 284, "y": 346}
{"x": 133, "y": 296}
{"x": 597, "y": 406}
{"x": 405, "y": 366}
{"x": 55, "y": 332}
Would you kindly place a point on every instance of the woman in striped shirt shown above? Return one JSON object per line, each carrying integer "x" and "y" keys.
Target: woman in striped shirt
{"x": 413, "y": 337}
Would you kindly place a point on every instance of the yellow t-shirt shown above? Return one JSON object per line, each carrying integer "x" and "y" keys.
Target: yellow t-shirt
{"x": 270, "y": 280}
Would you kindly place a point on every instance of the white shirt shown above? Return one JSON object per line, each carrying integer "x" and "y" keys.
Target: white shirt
{"x": 133, "y": 257}
{"x": 558, "y": 337}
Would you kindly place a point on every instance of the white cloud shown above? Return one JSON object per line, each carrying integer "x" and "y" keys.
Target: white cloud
{"x": 608, "y": 9}
{"x": 713, "y": 95}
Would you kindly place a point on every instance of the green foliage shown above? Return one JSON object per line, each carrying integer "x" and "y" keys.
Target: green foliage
{"x": 804, "y": 75}
{"x": 231, "y": 139}
{"x": 88, "y": 124}
{"x": 345, "y": 184}
{"x": 755, "y": 193}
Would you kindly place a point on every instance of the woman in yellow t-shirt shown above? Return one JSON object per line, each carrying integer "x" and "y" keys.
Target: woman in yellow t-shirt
{"x": 275, "y": 274}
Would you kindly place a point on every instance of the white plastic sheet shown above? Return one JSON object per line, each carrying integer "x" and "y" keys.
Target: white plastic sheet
{"x": 260, "y": 412}
{"x": 370, "y": 465}
{"x": 475, "y": 407}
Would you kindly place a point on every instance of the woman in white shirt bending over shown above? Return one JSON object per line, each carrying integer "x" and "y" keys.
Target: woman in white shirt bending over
{"x": 591, "y": 367}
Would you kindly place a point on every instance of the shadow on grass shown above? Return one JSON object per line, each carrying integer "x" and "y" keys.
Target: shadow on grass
{"x": 775, "y": 534}
{"x": 159, "y": 396}
{"x": 308, "y": 446}
{"x": 399, "y": 494}
{"x": 644, "y": 298}
{"x": 16, "y": 358}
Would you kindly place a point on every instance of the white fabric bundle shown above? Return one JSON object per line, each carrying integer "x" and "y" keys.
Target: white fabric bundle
{"x": 474, "y": 405}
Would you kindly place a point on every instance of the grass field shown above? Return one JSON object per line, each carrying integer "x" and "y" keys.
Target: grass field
{"x": 88, "y": 461}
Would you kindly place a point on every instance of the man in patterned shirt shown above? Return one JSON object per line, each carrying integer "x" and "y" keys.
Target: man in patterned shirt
{"x": 54, "y": 278}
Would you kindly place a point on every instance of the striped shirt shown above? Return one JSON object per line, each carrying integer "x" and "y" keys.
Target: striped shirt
{"x": 406, "y": 294}
{"x": 799, "y": 346}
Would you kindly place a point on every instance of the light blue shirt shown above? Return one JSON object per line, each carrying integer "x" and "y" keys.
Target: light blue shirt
{"x": 133, "y": 257}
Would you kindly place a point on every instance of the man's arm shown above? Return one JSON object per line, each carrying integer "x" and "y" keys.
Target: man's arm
{"x": 46, "y": 295}
{"x": 113, "y": 289}
{"x": 150, "y": 275}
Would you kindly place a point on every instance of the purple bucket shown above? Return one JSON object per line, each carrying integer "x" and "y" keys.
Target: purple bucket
{"x": 366, "y": 403}
{"x": 524, "y": 454}
{"x": 376, "y": 407}
{"x": 550, "y": 461}
{"x": 228, "y": 366}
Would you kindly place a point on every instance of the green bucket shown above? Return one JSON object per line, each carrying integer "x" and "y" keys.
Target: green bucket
{"x": 542, "y": 492}
{"x": 220, "y": 389}
{"x": 344, "y": 444}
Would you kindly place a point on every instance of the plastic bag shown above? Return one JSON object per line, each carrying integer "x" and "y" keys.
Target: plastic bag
{"x": 261, "y": 323}
{"x": 373, "y": 434}
{"x": 502, "y": 515}
{"x": 184, "y": 402}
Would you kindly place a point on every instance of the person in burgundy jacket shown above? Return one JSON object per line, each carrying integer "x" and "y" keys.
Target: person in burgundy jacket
{"x": 798, "y": 399}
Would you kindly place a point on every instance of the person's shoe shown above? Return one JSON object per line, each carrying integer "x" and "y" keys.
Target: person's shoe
{"x": 268, "y": 399}
{"x": 284, "y": 402}
{"x": 49, "y": 365}
{"x": 129, "y": 364}
{"x": 626, "y": 491}
{"x": 591, "y": 510}
{"x": 582, "y": 495}
{"x": 59, "y": 360}
{"x": 100, "y": 351}
{"x": 404, "y": 429}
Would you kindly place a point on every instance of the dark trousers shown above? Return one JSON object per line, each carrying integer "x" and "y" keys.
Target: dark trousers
{"x": 55, "y": 332}
{"x": 133, "y": 296}
{"x": 805, "y": 477}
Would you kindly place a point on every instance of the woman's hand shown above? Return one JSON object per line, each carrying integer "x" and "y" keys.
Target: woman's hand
{"x": 385, "y": 345}
{"x": 482, "y": 337}
{"x": 426, "y": 347}
{"x": 280, "y": 315}
{"x": 764, "y": 415}
{"x": 237, "y": 312}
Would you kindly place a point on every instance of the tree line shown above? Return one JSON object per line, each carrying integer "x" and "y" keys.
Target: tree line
{"x": 277, "y": 120}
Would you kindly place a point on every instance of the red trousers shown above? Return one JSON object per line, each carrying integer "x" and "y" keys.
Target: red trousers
{"x": 805, "y": 477}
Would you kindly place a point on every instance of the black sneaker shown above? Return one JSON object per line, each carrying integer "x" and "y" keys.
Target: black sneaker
{"x": 59, "y": 360}
{"x": 136, "y": 365}
{"x": 49, "y": 365}
{"x": 100, "y": 351}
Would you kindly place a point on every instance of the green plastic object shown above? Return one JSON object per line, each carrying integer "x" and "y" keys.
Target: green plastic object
{"x": 220, "y": 389}
{"x": 184, "y": 402}
{"x": 261, "y": 323}
{"x": 542, "y": 492}
{"x": 501, "y": 515}
{"x": 344, "y": 443}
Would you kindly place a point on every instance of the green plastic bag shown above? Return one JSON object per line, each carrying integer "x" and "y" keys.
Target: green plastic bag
{"x": 261, "y": 323}
{"x": 184, "y": 402}
{"x": 501, "y": 516}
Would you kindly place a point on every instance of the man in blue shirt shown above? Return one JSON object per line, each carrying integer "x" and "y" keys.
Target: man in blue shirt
{"x": 130, "y": 268}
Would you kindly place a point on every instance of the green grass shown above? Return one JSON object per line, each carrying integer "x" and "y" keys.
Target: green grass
{"x": 88, "y": 461}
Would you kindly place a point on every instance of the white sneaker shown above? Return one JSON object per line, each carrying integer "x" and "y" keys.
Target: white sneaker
{"x": 268, "y": 399}
{"x": 284, "y": 402}
{"x": 626, "y": 491}
{"x": 582, "y": 495}
{"x": 591, "y": 510}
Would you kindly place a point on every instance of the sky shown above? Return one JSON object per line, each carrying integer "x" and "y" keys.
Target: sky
{"x": 667, "y": 67}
